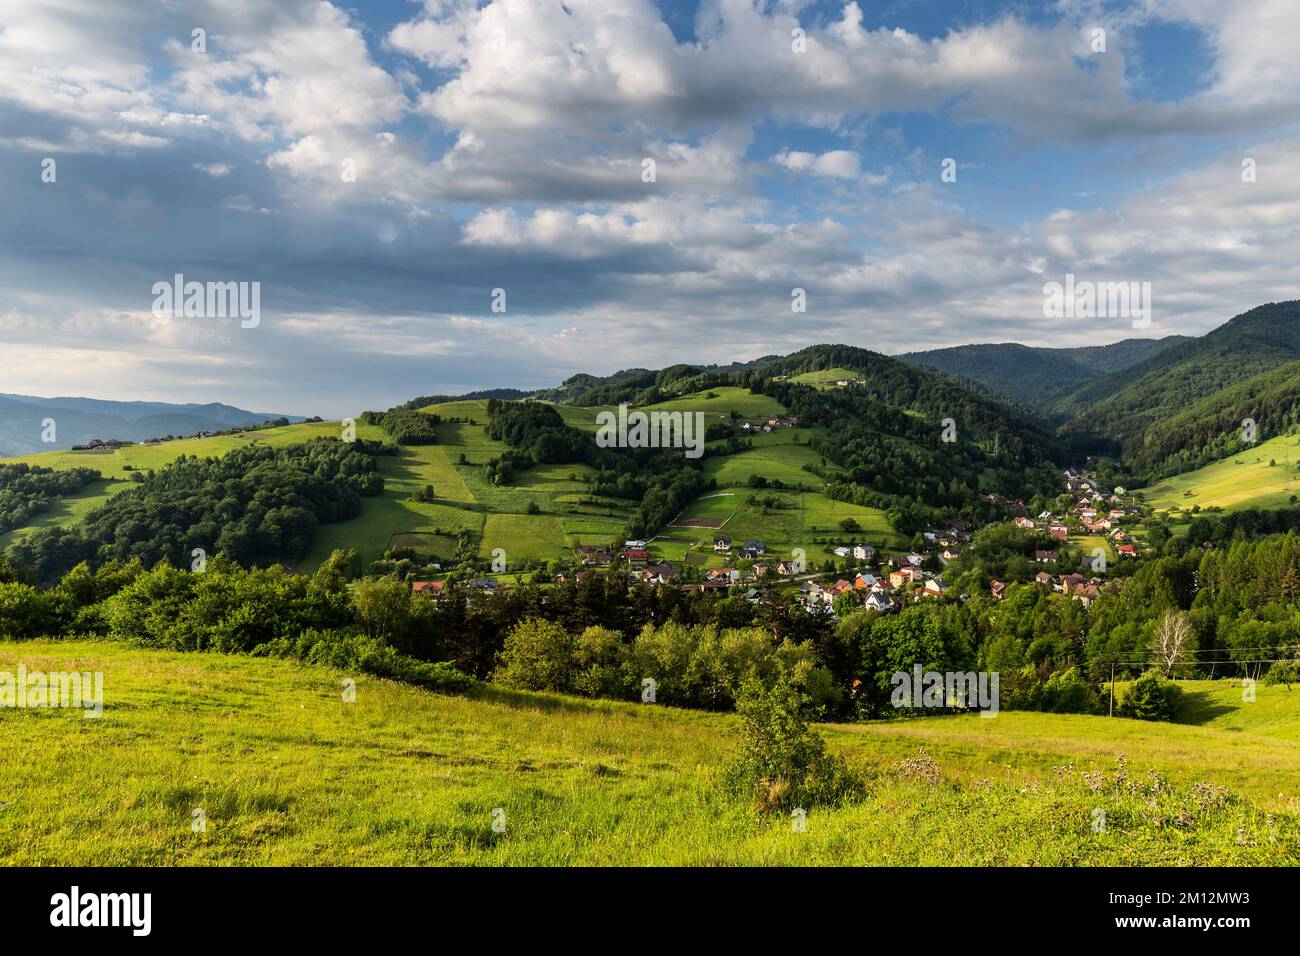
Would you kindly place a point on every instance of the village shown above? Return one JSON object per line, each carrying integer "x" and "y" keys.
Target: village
{"x": 863, "y": 576}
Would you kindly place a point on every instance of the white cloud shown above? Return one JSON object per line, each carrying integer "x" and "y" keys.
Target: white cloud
{"x": 836, "y": 163}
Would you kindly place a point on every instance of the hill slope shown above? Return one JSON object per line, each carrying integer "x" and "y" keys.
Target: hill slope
{"x": 856, "y": 453}
{"x": 1117, "y": 412}
{"x": 1039, "y": 377}
{"x": 288, "y": 774}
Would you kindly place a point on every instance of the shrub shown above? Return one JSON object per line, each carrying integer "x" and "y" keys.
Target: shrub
{"x": 1150, "y": 698}
{"x": 603, "y": 665}
{"x": 538, "y": 655}
{"x": 349, "y": 650}
{"x": 780, "y": 762}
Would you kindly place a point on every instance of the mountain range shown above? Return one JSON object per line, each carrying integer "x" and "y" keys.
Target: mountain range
{"x": 78, "y": 420}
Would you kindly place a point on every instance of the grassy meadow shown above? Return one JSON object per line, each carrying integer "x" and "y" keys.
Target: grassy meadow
{"x": 286, "y": 772}
{"x": 1244, "y": 480}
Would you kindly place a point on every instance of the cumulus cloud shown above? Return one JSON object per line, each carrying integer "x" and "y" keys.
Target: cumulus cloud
{"x": 645, "y": 196}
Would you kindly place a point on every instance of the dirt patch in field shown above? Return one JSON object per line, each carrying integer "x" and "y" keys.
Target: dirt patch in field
{"x": 698, "y": 523}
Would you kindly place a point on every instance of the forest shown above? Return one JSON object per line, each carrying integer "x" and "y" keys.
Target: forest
{"x": 257, "y": 505}
{"x": 27, "y": 490}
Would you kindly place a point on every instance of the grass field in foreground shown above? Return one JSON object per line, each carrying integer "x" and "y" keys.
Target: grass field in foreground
{"x": 1244, "y": 480}
{"x": 287, "y": 773}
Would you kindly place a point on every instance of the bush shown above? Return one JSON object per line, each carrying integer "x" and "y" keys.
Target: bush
{"x": 1150, "y": 698}
{"x": 351, "y": 651}
{"x": 538, "y": 655}
{"x": 781, "y": 763}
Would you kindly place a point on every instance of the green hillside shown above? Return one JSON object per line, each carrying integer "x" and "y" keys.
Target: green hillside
{"x": 1266, "y": 475}
{"x": 1161, "y": 411}
{"x": 873, "y": 445}
{"x": 287, "y": 773}
{"x": 1039, "y": 377}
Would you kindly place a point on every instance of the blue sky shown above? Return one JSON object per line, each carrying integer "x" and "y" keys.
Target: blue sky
{"x": 500, "y": 145}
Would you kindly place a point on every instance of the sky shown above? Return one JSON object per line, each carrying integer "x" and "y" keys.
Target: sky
{"x": 439, "y": 196}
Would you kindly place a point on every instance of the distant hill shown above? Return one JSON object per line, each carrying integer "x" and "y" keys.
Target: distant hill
{"x": 78, "y": 420}
{"x": 1174, "y": 409}
{"x": 1039, "y": 377}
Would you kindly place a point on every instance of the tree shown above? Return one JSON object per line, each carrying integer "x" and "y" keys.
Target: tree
{"x": 542, "y": 655}
{"x": 781, "y": 763}
{"x": 1173, "y": 641}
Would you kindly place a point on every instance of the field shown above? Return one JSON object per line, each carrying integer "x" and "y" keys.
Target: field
{"x": 464, "y": 500}
{"x": 722, "y": 401}
{"x": 287, "y": 773}
{"x": 826, "y": 377}
{"x": 1244, "y": 480}
{"x": 741, "y": 515}
{"x": 68, "y": 510}
{"x": 779, "y": 454}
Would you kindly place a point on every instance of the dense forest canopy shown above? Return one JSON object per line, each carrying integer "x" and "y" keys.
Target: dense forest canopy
{"x": 256, "y": 505}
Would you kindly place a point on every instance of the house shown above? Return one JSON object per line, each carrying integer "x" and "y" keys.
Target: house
{"x": 787, "y": 568}
{"x": 865, "y": 581}
{"x": 1026, "y": 523}
{"x": 1128, "y": 551}
{"x": 660, "y": 573}
{"x": 1060, "y": 532}
{"x": 863, "y": 552}
{"x": 716, "y": 584}
{"x": 1042, "y": 577}
{"x": 950, "y": 554}
{"x": 842, "y": 552}
{"x": 752, "y": 549}
{"x": 998, "y": 590}
{"x": 597, "y": 556}
{"x": 900, "y": 578}
{"x": 915, "y": 560}
{"x": 1046, "y": 557}
{"x": 935, "y": 587}
{"x": 722, "y": 544}
{"x": 430, "y": 588}
{"x": 635, "y": 545}
{"x": 878, "y": 601}
{"x": 1071, "y": 581}
{"x": 483, "y": 584}
{"x": 636, "y": 556}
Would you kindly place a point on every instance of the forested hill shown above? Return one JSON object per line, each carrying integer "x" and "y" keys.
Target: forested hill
{"x": 1174, "y": 407}
{"x": 1039, "y": 377}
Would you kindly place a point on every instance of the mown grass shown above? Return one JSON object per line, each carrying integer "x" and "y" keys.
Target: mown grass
{"x": 1244, "y": 480}
{"x": 804, "y": 516}
{"x": 287, "y": 773}
{"x": 826, "y": 377}
{"x": 721, "y": 402}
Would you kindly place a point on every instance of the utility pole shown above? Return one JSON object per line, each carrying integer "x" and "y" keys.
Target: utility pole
{"x": 1112, "y": 689}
